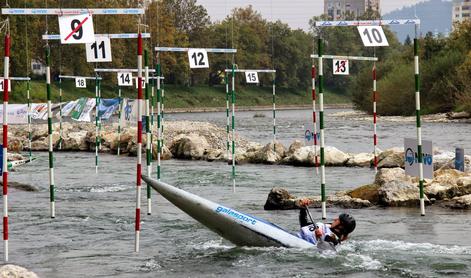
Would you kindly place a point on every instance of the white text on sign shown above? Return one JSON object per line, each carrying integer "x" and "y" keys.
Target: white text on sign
{"x": 198, "y": 58}
{"x": 340, "y": 67}
{"x": 2, "y": 85}
{"x": 124, "y": 79}
{"x": 251, "y": 76}
{"x": 76, "y": 29}
{"x": 373, "y": 36}
{"x": 80, "y": 82}
{"x": 99, "y": 51}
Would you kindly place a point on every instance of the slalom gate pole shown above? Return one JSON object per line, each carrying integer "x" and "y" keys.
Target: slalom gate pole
{"x": 6, "y": 73}
{"x": 148, "y": 139}
{"x": 60, "y": 113}
{"x": 375, "y": 137}
{"x": 419, "y": 128}
{"x": 99, "y": 119}
{"x": 321, "y": 118}
{"x": 159, "y": 120}
{"x": 49, "y": 128}
{"x": 30, "y": 134}
{"x": 233, "y": 129}
{"x": 119, "y": 119}
{"x": 96, "y": 124}
{"x": 274, "y": 111}
{"x": 139, "y": 143}
{"x": 314, "y": 122}
{"x": 228, "y": 121}
{"x": 162, "y": 142}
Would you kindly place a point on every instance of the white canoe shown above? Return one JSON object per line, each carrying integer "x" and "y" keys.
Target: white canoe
{"x": 239, "y": 228}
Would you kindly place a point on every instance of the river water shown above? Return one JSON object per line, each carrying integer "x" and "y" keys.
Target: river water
{"x": 93, "y": 232}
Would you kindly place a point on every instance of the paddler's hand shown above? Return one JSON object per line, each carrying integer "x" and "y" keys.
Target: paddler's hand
{"x": 304, "y": 202}
{"x": 318, "y": 233}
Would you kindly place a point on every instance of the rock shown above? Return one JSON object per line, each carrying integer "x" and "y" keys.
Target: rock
{"x": 279, "y": 198}
{"x": 212, "y": 155}
{"x": 335, "y": 157}
{"x": 191, "y": 146}
{"x": 296, "y": 145}
{"x": 396, "y": 189}
{"x": 444, "y": 180}
{"x": 14, "y": 271}
{"x": 360, "y": 160}
{"x": 75, "y": 141}
{"x": 22, "y": 186}
{"x": 303, "y": 156}
{"x": 15, "y": 145}
{"x": 391, "y": 158}
{"x": 40, "y": 145}
{"x": 270, "y": 154}
{"x": 462, "y": 202}
{"x": 366, "y": 192}
{"x": 458, "y": 115}
{"x": 15, "y": 156}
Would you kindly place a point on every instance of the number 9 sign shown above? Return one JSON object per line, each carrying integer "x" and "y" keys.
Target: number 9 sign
{"x": 76, "y": 29}
{"x": 340, "y": 67}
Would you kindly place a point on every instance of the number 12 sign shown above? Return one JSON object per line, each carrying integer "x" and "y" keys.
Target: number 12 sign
{"x": 373, "y": 36}
{"x": 251, "y": 77}
{"x": 76, "y": 29}
{"x": 340, "y": 67}
{"x": 99, "y": 51}
{"x": 198, "y": 58}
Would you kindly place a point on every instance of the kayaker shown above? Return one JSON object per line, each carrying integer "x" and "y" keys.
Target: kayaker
{"x": 334, "y": 232}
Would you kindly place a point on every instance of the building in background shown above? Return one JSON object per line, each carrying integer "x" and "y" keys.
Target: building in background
{"x": 336, "y": 9}
{"x": 461, "y": 10}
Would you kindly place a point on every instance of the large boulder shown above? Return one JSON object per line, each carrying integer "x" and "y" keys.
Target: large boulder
{"x": 391, "y": 158}
{"x": 296, "y": 145}
{"x": 269, "y": 154}
{"x": 445, "y": 184}
{"x": 14, "y": 271}
{"x": 335, "y": 157}
{"x": 396, "y": 189}
{"x": 279, "y": 198}
{"x": 304, "y": 156}
{"x": 462, "y": 202}
{"x": 366, "y": 192}
{"x": 191, "y": 146}
{"x": 75, "y": 141}
{"x": 360, "y": 160}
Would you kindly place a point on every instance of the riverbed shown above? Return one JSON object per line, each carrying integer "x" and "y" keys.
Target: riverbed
{"x": 93, "y": 232}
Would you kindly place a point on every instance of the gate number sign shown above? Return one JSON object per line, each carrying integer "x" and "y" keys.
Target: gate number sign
{"x": 198, "y": 58}
{"x": 373, "y": 36}
{"x": 124, "y": 79}
{"x": 251, "y": 77}
{"x": 76, "y": 29}
{"x": 80, "y": 82}
{"x": 99, "y": 50}
{"x": 143, "y": 82}
{"x": 340, "y": 67}
{"x": 2, "y": 83}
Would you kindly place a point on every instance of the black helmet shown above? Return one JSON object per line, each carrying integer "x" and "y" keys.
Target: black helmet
{"x": 348, "y": 223}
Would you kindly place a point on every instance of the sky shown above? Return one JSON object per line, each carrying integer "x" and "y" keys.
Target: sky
{"x": 295, "y": 13}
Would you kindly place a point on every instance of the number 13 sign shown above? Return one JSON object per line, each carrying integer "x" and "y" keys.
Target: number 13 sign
{"x": 76, "y": 29}
{"x": 341, "y": 67}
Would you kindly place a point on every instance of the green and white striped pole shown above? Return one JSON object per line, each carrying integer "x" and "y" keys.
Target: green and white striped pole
{"x": 274, "y": 111}
{"x": 49, "y": 131}
{"x": 30, "y": 134}
{"x": 228, "y": 121}
{"x": 233, "y": 129}
{"x": 159, "y": 120}
{"x": 148, "y": 139}
{"x": 162, "y": 99}
{"x": 119, "y": 119}
{"x": 97, "y": 136}
{"x": 419, "y": 129}
{"x": 60, "y": 113}
{"x": 320, "y": 46}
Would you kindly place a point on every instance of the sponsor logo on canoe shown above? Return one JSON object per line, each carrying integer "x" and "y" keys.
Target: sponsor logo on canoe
{"x": 236, "y": 215}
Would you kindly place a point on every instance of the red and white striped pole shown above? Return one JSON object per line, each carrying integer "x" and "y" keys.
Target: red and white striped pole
{"x": 375, "y": 137}
{"x": 6, "y": 67}
{"x": 313, "y": 75}
{"x": 139, "y": 141}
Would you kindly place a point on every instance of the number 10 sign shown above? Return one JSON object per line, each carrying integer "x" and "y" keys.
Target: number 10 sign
{"x": 373, "y": 36}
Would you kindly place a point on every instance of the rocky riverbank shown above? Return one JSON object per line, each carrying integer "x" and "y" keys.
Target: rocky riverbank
{"x": 391, "y": 188}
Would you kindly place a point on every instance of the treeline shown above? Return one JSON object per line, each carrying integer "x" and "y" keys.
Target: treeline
{"x": 445, "y": 62}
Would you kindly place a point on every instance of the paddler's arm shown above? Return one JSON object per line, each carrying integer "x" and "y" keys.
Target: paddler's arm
{"x": 303, "y": 217}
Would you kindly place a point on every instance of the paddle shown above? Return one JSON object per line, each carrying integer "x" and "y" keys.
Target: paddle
{"x": 321, "y": 244}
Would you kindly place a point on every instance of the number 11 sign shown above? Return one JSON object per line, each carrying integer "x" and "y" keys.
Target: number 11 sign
{"x": 99, "y": 51}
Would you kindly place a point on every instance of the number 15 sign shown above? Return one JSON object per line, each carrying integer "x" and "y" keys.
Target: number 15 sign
{"x": 76, "y": 29}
